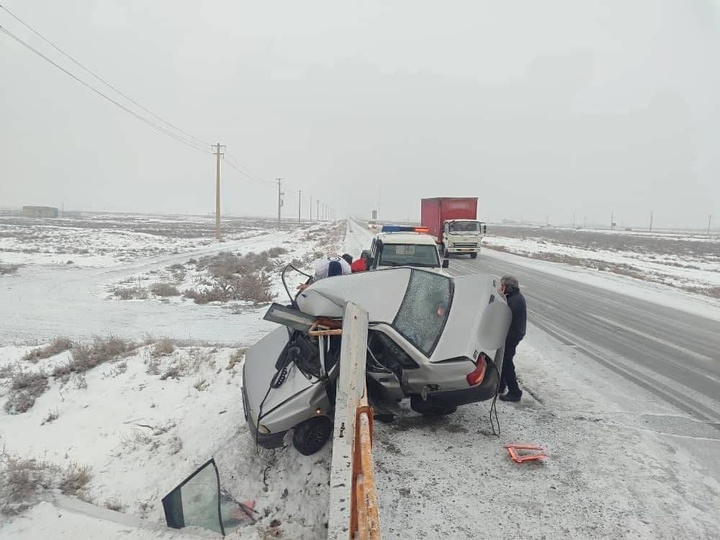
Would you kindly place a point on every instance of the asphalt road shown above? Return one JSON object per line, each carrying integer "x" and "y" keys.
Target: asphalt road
{"x": 671, "y": 353}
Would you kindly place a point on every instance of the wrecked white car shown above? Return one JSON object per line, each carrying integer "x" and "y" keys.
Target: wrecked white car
{"x": 435, "y": 339}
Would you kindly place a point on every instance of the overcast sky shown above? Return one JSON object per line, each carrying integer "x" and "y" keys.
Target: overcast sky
{"x": 539, "y": 109}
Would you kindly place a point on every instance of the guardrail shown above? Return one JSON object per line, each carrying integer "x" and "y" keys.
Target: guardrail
{"x": 353, "y": 500}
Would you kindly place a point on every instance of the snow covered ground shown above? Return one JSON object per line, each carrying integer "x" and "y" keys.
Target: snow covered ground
{"x": 141, "y": 421}
{"x": 690, "y": 262}
{"x": 621, "y": 464}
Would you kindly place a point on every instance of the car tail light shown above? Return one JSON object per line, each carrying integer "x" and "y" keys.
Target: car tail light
{"x": 477, "y": 375}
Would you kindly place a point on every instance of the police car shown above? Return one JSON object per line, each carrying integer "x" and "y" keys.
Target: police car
{"x": 398, "y": 245}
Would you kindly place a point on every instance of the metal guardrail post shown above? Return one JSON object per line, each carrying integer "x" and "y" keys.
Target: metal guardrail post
{"x": 352, "y": 483}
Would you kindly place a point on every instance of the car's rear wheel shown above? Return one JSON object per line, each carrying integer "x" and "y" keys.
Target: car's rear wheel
{"x": 430, "y": 407}
{"x": 311, "y": 435}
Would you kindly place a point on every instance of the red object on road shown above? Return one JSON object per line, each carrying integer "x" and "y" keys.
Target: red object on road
{"x": 514, "y": 451}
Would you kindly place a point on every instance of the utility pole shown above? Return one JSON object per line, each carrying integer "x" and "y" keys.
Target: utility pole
{"x": 310, "y": 208}
{"x": 709, "y": 222}
{"x": 280, "y": 199}
{"x": 317, "y": 210}
{"x": 218, "y": 147}
{"x": 651, "y": 219}
{"x": 299, "y": 205}
{"x": 612, "y": 220}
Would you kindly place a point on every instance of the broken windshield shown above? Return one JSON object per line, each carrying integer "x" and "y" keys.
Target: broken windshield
{"x": 424, "y": 310}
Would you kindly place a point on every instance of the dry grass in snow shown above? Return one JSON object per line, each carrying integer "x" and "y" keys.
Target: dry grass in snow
{"x": 8, "y": 269}
{"x": 58, "y": 345}
{"x": 23, "y": 481}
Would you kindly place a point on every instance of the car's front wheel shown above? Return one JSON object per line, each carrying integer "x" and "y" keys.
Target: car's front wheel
{"x": 473, "y": 255}
{"x": 430, "y": 407}
{"x": 311, "y": 435}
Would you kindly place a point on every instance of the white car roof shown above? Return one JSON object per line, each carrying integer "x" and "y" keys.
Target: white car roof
{"x": 478, "y": 319}
{"x": 406, "y": 238}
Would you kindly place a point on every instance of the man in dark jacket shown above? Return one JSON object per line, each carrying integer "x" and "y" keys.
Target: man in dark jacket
{"x": 510, "y": 287}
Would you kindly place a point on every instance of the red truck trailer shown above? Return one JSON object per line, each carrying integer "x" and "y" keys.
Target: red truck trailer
{"x": 453, "y": 222}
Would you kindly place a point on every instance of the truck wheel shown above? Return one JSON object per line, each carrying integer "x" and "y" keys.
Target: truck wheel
{"x": 311, "y": 435}
{"x": 473, "y": 255}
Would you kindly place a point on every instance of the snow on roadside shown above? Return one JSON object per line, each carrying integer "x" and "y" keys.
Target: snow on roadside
{"x": 619, "y": 460}
{"x": 618, "y": 465}
{"x": 143, "y": 422}
{"x": 39, "y": 303}
{"x": 657, "y": 293}
{"x": 659, "y": 258}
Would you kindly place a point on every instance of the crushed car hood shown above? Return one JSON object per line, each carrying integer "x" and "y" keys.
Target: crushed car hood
{"x": 379, "y": 292}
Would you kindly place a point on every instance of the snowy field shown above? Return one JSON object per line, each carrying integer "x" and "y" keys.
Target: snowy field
{"x": 687, "y": 261}
{"x": 151, "y": 389}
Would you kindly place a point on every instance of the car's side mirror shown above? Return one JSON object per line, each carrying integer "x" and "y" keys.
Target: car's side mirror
{"x": 446, "y": 263}
{"x": 484, "y": 229}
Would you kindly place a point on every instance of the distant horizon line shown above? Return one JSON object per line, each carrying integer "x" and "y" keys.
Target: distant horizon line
{"x": 290, "y": 219}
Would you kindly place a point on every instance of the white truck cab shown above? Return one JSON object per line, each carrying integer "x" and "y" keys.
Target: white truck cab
{"x": 462, "y": 236}
{"x": 405, "y": 246}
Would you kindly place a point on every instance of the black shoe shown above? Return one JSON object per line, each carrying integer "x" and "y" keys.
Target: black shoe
{"x": 510, "y": 396}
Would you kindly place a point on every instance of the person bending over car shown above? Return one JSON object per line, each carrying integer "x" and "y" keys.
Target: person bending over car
{"x": 510, "y": 287}
{"x": 328, "y": 267}
{"x": 361, "y": 264}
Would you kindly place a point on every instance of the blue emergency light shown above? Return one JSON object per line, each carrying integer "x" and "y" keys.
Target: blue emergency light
{"x": 403, "y": 228}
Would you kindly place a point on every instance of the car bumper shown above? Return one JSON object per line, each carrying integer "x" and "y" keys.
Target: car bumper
{"x": 472, "y": 394}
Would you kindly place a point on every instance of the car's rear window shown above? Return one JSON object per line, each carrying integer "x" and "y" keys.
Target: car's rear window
{"x": 424, "y": 310}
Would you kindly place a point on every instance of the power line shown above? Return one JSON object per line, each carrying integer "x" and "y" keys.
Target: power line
{"x": 111, "y": 100}
{"x": 26, "y": 25}
{"x": 240, "y": 168}
{"x": 186, "y": 138}
{"x": 260, "y": 180}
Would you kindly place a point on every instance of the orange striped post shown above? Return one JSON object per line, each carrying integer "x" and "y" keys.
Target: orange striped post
{"x": 364, "y": 518}
{"x": 353, "y": 512}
